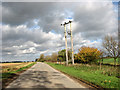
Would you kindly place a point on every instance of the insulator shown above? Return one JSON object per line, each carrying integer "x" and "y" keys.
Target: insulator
{"x": 70, "y": 21}
{"x": 69, "y": 32}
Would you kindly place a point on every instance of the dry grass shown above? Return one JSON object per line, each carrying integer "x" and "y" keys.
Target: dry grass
{"x": 7, "y": 67}
{"x": 11, "y": 71}
{"x": 9, "y": 64}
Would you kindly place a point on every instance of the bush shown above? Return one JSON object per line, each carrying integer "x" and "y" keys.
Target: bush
{"x": 88, "y": 54}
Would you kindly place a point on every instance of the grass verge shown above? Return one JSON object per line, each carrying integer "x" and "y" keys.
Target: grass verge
{"x": 94, "y": 77}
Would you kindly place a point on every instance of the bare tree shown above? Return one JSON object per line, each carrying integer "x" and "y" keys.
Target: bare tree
{"x": 111, "y": 45}
{"x": 41, "y": 57}
{"x": 54, "y": 57}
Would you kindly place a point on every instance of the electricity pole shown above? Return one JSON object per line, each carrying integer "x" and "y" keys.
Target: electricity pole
{"x": 65, "y": 42}
{"x": 71, "y": 42}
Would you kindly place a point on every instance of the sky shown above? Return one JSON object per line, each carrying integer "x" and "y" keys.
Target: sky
{"x": 33, "y": 28}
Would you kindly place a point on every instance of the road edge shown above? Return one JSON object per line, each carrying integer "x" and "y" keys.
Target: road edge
{"x": 80, "y": 81}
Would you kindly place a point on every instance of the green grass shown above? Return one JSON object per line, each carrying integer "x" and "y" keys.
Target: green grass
{"x": 109, "y": 61}
{"x": 23, "y": 68}
{"x": 9, "y": 74}
{"x": 90, "y": 73}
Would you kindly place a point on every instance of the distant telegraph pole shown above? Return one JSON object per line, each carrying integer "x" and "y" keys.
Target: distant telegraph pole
{"x": 65, "y": 42}
{"x": 71, "y": 42}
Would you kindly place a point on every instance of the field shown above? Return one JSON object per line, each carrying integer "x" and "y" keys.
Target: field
{"x": 107, "y": 77}
{"x": 11, "y": 70}
{"x": 109, "y": 61}
{"x": 9, "y": 64}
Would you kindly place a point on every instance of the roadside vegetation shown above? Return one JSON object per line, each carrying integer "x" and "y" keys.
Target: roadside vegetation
{"x": 11, "y": 70}
{"x": 110, "y": 61}
{"x": 99, "y": 67}
{"x": 107, "y": 77}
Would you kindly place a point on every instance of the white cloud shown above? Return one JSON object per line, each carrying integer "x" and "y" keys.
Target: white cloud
{"x": 22, "y": 39}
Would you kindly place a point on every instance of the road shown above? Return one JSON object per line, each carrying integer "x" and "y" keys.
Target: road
{"x": 42, "y": 75}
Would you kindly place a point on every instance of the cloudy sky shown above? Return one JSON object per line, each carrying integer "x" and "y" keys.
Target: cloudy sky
{"x": 32, "y": 28}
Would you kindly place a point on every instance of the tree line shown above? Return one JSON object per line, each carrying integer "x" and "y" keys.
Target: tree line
{"x": 86, "y": 54}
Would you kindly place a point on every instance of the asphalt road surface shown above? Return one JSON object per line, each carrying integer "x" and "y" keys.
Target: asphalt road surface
{"x": 42, "y": 75}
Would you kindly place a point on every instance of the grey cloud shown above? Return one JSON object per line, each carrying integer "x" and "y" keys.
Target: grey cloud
{"x": 16, "y": 13}
{"x": 92, "y": 23}
{"x": 19, "y": 40}
{"x": 95, "y": 20}
{"x": 50, "y": 15}
{"x": 19, "y": 36}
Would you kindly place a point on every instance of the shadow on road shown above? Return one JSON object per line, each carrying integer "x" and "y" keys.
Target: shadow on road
{"x": 41, "y": 76}
{"x": 36, "y": 79}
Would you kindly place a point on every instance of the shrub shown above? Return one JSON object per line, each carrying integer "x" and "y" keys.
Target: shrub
{"x": 88, "y": 54}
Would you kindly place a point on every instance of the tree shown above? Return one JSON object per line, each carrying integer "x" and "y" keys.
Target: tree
{"x": 88, "y": 54}
{"x": 70, "y": 55}
{"x": 36, "y": 59}
{"x": 101, "y": 58}
{"x": 62, "y": 55}
{"x": 111, "y": 45}
{"x": 76, "y": 58}
{"x": 47, "y": 58}
{"x": 41, "y": 58}
{"x": 54, "y": 57}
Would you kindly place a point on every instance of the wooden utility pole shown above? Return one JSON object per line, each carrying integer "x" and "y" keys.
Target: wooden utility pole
{"x": 71, "y": 42}
{"x": 66, "y": 42}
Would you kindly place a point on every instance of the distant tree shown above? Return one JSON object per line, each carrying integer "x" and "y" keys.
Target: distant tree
{"x": 88, "y": 54}
{"x": 47, "y": 58}
{"x": 54, "y": 57}
{"x": 62, "y": 55}
{"x": 42, "y": 56}
{"x": 111, "y": 45}
{"x": 36, "y": 59}
{"x": 70, "y": 55}
{"x": 41, "y": 59}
